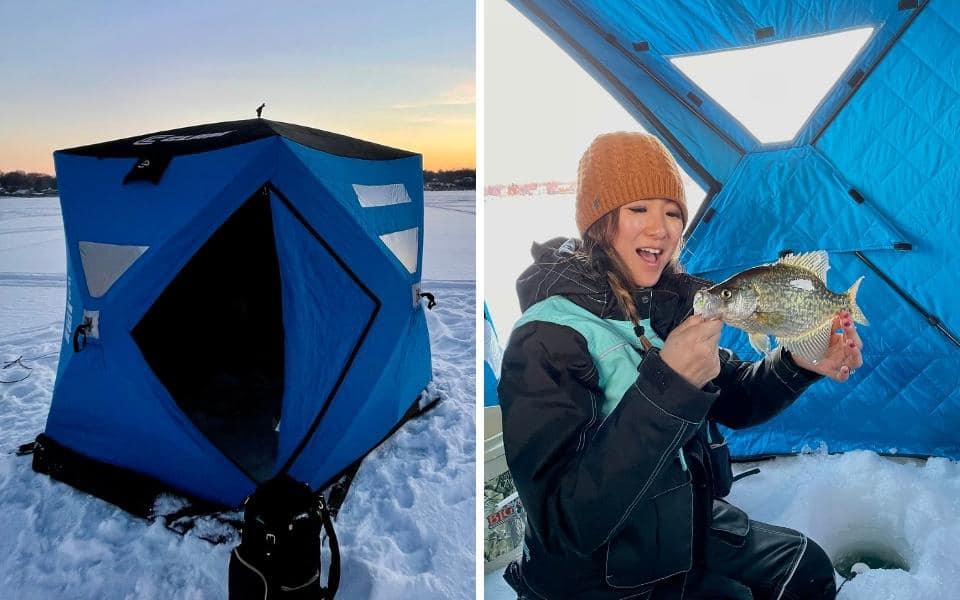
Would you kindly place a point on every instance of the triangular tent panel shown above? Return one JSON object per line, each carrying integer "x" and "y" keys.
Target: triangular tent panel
{"x": 404, "y": 245}
{"x": 250, "y": 319}
{"x": 872, "y": 177}
{"x": 103, "y": 264}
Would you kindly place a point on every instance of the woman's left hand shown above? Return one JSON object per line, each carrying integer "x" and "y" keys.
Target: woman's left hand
{"x": 843, "y": 354}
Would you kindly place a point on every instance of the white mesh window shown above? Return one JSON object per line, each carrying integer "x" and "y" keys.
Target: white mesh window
{"x": 405, "y": 246}
{"x": 773, "y": 89}
{"x": 381, "y": 195}
{"x": 103, "y": 264}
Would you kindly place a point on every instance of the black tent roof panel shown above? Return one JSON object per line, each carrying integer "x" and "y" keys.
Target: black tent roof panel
{"x": 213, "y": 136}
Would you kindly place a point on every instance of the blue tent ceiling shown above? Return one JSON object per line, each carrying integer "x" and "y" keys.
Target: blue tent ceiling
{"x": 873, "y": 177}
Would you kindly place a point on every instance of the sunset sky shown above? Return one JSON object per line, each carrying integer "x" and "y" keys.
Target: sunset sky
{"x": 396, "y": 73}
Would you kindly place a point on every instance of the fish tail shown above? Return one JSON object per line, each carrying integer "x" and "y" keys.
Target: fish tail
{"x": 855, "y": 311}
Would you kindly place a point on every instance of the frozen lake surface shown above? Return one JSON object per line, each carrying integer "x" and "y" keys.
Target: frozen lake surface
{"x": 56, "y": 542}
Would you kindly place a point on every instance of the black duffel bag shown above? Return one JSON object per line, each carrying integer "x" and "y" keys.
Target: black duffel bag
{"x": 280, "y": 545}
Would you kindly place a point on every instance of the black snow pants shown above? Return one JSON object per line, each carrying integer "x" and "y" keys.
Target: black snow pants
{"x": 769, "y": 563}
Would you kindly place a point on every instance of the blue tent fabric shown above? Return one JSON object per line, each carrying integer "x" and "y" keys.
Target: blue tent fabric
{"x": 871, "y": 177}
{"x": 355, "y": 347}
{"x": 492, "y": 357}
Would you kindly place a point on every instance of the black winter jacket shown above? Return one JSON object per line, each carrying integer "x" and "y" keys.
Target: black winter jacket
{"x": 612, "y": 509}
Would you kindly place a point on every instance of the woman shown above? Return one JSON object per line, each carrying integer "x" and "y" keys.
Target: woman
{"x": 611, "y": 393}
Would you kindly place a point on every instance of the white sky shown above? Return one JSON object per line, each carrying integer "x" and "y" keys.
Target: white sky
{"x": 541, "y": 110}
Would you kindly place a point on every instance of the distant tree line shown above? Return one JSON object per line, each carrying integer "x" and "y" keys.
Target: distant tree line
{"x": 460, "y": 179}
{"x": 14, "y": 181}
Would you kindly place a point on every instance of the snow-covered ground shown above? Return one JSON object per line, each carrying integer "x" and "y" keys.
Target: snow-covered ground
{"x": 407, "y": 529}
{"x": 859, "y": 504}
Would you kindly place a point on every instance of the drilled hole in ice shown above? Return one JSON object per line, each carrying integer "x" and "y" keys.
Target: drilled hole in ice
{"x": 863, "y": 549}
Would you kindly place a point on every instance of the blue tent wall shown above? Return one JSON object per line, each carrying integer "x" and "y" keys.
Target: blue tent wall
{"x": 887, "y": 134}
{"x": 492, "y": 357}
{"x": 358, "y": 352}
{"x": 398, "y": 371}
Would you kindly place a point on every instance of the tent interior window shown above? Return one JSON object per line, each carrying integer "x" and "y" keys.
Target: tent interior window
{"x": 214, "y": 338}
{"x": 770, "y": 88}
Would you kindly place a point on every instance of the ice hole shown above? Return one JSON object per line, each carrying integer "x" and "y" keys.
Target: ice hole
{"x": 872, "y": 547}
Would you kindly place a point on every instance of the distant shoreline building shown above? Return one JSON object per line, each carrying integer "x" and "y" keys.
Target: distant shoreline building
{"x": 531, "y": 189}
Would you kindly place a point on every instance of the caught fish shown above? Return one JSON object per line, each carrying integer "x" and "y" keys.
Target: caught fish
{"x": 788, "y": 300}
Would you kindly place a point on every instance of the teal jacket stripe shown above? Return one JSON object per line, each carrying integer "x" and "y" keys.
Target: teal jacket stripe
{"x": 612, "y": 344}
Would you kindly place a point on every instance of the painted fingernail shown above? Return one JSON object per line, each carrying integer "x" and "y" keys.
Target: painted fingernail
{"x": 847, "y": 323}
{"x": 851, "y": 344}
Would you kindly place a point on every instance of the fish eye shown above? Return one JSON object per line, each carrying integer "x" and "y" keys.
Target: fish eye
{"x": 726, "y": 294}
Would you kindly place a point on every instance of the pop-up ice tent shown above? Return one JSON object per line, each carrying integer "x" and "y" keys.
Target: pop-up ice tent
{"x": 242, "y": 300}
{"x": 872, "y": 176}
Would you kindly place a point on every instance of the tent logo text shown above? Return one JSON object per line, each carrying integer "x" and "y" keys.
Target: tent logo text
{"x": 178, "y": 138}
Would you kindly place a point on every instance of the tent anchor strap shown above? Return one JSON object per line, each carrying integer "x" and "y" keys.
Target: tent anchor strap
{"x": 930, "y": 318}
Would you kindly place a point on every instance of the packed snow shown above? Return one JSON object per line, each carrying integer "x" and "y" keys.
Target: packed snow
{"x": 407, "y": 529}
{"x": 859, "y": 507}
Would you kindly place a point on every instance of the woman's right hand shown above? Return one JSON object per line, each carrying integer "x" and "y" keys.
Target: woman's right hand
{"x": 691, "y": 350}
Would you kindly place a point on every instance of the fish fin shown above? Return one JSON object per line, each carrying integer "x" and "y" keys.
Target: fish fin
{"x": 855, "y": 311}
{"x": 760, "y": 342}
{"x": 817, "y": 262}
{"x": 811, "y": 346}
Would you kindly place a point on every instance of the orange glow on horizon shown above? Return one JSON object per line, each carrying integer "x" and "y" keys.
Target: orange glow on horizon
{"x": 446, "y": 148}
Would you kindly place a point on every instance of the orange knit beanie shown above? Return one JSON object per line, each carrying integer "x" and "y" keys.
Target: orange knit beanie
{"x": 619, "y": 168}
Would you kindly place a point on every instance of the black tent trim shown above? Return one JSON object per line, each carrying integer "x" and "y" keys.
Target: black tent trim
{"x": 136, "y": 493}
{"x": 214, "y": 136}
{"x": 132, "y": 491}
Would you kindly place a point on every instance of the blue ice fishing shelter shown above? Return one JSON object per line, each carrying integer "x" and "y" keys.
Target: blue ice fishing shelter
{"x": 242, "y": 300}
{"x": 872, "y": 176}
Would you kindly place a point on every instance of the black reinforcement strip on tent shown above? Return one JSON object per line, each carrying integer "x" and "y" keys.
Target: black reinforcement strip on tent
{"x": 930, "y": 318}
{"x": 853, "y": 89}
{"x": 624, "y": 90}
{"x": 214, "y": 136}
{"x": 134, "y": 492}
{"x": 356, "y": 346}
